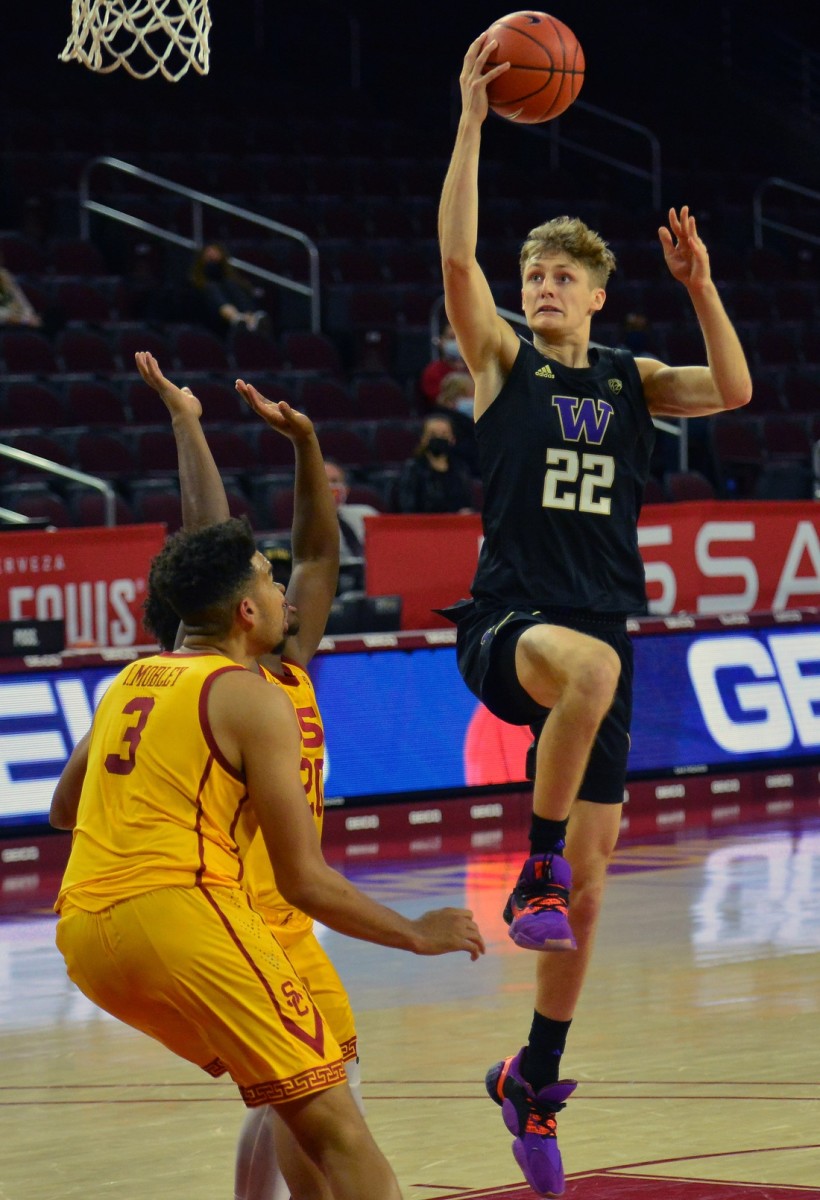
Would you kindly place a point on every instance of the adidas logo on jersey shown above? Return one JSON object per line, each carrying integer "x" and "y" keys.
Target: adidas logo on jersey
{"x": 545, "y": 372}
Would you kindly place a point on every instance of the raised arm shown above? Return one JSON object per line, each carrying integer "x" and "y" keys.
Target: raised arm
{"x": 488, "y": 344}
{"x": 249, "y": 717}
{"x": 725, "y": 383}
{"x": 315, "y": 533}
{"x": 203, "y": 494}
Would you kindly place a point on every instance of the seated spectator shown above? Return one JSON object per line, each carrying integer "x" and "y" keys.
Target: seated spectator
{"x": 456, "y": 399}
{"x": 351, "y": 528}
{"x": 225, "y": 298}
{"x": 435, "y": 480}
{"x": 448, "y": 359}
{"x": 15, "y": 306}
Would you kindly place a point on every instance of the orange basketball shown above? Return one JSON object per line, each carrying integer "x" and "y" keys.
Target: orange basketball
{"x": 546, "y": 71}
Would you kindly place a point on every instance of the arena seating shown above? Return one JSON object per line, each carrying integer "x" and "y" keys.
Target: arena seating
{"x": 70, "y": 388}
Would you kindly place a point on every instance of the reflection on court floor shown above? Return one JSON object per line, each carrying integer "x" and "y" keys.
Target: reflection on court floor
{"x": 695, "y": 1045}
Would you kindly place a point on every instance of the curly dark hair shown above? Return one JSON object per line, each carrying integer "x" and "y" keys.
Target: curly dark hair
{"x": 198, "y": 575}
{"x": 160, "y": 619}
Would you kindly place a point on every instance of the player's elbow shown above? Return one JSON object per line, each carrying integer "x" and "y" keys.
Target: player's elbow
{"x": 61, "y": 815}
{"x": 741, "y": 395}
{"x": 303, "y": 890}
{"x": 456, "y": 267}
{"x": 736, "y": 397}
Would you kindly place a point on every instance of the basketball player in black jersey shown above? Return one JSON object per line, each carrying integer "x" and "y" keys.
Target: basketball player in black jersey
{"x": 564, "y": 430}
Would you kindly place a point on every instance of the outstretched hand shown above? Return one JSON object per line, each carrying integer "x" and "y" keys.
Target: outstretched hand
{"x": 685, "y": 252}
{"x": 474, "y": 79}
{"x": 276, "y": 413}
{"x": 179, "y": 401}
{"x": 445, "y": 930}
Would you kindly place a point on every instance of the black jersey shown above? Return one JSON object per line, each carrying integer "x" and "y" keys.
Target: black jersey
{"x": 564, "y": 458}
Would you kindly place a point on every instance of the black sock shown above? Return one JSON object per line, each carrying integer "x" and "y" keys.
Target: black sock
{"x": 545, "y": 835}
{"x": 542, "y": 1060}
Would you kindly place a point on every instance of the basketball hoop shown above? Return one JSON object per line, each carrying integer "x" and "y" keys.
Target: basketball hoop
{"x": 143, "y": 36}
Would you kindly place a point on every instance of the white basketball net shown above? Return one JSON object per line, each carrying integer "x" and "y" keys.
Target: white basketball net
{"x": 144, "y": 36}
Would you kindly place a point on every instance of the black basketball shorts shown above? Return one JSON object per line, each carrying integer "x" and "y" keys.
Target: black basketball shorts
{"x": 486, "y": 659}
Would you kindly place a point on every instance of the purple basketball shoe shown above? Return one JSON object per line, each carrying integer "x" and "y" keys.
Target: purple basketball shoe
{"x": 530, "y": 1116}
{"x": 536, "y": 911}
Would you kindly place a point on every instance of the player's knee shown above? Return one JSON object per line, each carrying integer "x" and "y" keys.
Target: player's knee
{"x": 594, "y": 678}
{"x": 590, "y": 859}
{"x": 586, "y": 898}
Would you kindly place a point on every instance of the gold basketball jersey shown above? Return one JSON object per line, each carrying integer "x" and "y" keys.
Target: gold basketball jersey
{"x": 259, "y": 879}
{"x": 160, "y": 805}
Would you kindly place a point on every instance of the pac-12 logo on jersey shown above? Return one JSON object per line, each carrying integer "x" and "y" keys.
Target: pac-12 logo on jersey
{"x": 583, "y": 419}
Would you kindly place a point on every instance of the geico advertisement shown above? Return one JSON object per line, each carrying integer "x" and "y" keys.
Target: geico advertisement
{"x": 93, "y": 579}
{"x": 725, "y": 699}
{"x": 719, "y": 699}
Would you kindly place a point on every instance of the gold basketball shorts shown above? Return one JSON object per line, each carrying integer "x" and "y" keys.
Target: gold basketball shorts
{"x": 199, "y": 970}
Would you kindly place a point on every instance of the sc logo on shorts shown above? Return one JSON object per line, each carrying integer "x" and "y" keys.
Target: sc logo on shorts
{"x": 296, "y": 999}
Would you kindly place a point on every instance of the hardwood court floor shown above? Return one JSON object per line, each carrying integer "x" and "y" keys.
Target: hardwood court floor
{"x": 697, "y": 1044}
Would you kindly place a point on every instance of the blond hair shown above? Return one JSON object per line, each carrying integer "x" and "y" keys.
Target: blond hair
{"x": 570, "y": 236}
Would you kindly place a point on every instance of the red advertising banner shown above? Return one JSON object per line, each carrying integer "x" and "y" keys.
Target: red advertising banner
{"x": 427, "y": 560}
{"x": 703, "y": 558}
{"x": 93, "y": 579}
{"x": 717, "y": 557}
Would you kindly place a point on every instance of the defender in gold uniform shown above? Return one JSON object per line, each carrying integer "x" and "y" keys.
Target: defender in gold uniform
{"x": 310, "y": 592}
{"x": 159, "y": 824}
{"x": 189, "y": 750}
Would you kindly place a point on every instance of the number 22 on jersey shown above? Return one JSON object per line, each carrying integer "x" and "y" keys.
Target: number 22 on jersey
{"x": 578, "y": 481}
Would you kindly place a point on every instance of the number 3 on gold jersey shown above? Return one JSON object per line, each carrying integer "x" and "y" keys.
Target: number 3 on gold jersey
{"x": 596, "y": 471}
{"x": 114, "y": 764}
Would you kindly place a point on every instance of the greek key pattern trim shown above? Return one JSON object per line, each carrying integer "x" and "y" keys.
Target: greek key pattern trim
{"x": 276, "y": 1091}
{"x": 348, "y": 1049}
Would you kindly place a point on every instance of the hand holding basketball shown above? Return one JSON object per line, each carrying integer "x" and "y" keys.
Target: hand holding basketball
{"x": 546, "y": 67}
{"x": 477, "y": 77}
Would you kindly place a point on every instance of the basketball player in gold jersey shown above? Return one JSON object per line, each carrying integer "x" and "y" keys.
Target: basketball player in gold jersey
{"x": 312, "y": 586}
{"x": 310, "y": 592}
{"x": 190, "y": 752}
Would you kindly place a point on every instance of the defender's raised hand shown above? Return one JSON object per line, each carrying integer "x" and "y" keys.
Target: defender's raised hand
{"x": 276, "y": 413}
{"x": 684, "y": 250}
{"x": 180, "y": 402}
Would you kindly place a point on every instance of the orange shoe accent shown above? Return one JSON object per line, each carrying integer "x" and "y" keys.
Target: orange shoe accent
{"x": 499, "y": 1087}
{"x": 540, "y": 1124}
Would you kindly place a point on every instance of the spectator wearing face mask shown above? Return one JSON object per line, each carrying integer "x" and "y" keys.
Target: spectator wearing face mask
{"x": 456, "y": 399}
{"x": 225, "y": 300}
{"x": 435, "y": 479}
{"x": 448, "y": 360}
